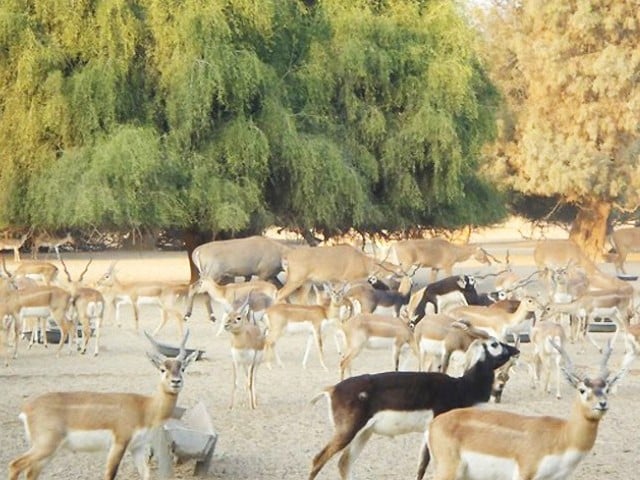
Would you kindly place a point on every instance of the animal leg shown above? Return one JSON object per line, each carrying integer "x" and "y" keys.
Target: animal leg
{"x": 352, "y": 451}
{"x": 337, "y": 443}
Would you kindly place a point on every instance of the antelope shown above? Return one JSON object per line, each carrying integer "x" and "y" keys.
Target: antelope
{"x": 89, "y": 421}
{"x": 247, "y": 349}
{"x": 544, "y": 335}
{"x": 502, "y": 375}
{"x": 328, "y": 264}
{"x": 372, "y": 299}
{"x": 615, "y": 305}
{"x": 550, "y": 255}
{"x": 89, "y": 304}
{"x": 436, "y": 253}
{"x": 369, "y": 330}
{"x": 458, "y": 289}
{"x": 14, "y": 244}
{"x": 625, "y": 241}
{"x": 480, "y": 443}
{"x": 496, "y": 321}
{"x": 44, "y": 239}
{"x": 43, "y": 272}
{"x": 38, "y": 301}
{"x": 161, "y": 294}
{"x": 223, "y": 260}
{"x": 9, "y": 325}
{"x": 394, "y": 403}
{"x": 226, "y": 294}
{"x": 438, "y": 336}
{"x": 283, "y": 318}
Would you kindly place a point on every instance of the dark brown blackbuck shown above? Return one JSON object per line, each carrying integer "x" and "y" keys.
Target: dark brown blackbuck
{"x": 394, "y": 403}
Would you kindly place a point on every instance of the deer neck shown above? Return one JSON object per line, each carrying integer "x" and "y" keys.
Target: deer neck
{"x": 580, "y": 429}
{"x": 161, "y": 406}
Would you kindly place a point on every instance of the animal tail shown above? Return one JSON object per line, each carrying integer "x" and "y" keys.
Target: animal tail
{"x": 324, "y": 393}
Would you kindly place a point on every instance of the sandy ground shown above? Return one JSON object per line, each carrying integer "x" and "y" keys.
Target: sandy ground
{"x": 279, "y": 439}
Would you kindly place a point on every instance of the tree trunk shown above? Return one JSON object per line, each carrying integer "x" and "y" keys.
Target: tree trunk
{"x": 589, "y": 229}
{"x": 192, "y": 238}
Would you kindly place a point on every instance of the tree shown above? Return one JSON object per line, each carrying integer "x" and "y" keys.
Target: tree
{"x": 226, "y": 116}
{"x": 569, "y": 72}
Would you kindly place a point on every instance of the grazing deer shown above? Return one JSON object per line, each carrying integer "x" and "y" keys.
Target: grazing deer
{"x": 13, "y": 244}
{"x": 89, "y": 421}
{"x": 49, "y": 241}
{"x": 486, "y": 444}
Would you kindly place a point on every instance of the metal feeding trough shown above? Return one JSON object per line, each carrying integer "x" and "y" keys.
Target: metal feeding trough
{"x": 188, "y": 436}
{"x": 173, "y": 351}
{"x": 53, "y": 335}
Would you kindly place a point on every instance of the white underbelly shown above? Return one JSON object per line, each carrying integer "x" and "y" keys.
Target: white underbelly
{"x": 35, "y": 312}
{"x": 392, "y": 422}
{"x": 299, "y": 327}
{"x": 376, "y": 343}
{"x": 246, "y": 356}
{"x": 88, "y": 440}
{"x": 479, "y": 466}
{"x": 432, "y": 347}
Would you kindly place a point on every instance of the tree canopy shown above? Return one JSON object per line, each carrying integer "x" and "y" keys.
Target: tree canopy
{"x": 231, "y": 115}
{"x": 569, "y": 72}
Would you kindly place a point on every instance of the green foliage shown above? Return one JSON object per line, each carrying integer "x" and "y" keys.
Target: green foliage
{"x": 232, "y": 115}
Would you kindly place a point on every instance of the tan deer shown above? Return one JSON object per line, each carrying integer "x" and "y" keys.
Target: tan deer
{"x": 437, "y": 254}
{"x": 44, "y": 239}
{"x": 14, "y": 244}
{"x": 89, "y": 421}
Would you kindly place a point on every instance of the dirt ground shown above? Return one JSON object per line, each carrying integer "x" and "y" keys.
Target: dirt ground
{"x": 279, "y": 439}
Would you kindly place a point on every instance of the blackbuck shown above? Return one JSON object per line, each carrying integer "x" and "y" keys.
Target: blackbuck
{"x": 395, "y": 403}
{"x": 160, "y": 294}
{"x": 550, "y": 255}
{"x": 597, "y": 303}
{"x": 439, "y": 336}
{"x": 226, "y": 294}
{"x": 9, "y": 327}
{"x": 458, "y": 289}
{"x": 481, "y": 443}
{"x": 544, "y": 335}
{"x": 223, "y": 260}
{"x": 44, "y": 273}
{"x": 281, "y": 318}
{"x": 48, "y": 241}
{"x": 495, "y": 321}
{"x": 13, "y": 244}
{"x": 247, "y": 350}
{"x": 437, "y": 254}
{"x": 90, "y": 306}
{"x": 338, "y": 263}
{"x": 375, "y": 300}
{"x": 90, "y": 421}
{"x": 46, "y": 302}
{"x": 624, "y": 242}
{"x": 375, "y": 331}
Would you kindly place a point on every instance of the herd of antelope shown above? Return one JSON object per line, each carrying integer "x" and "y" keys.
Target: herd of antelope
{"x": 459, "y": 347}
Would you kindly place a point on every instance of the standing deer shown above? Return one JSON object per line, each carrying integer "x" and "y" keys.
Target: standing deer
{"x": 89, "y": 421}
{"x": 625, "y": 241}
{"x": 437, "y": 254}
